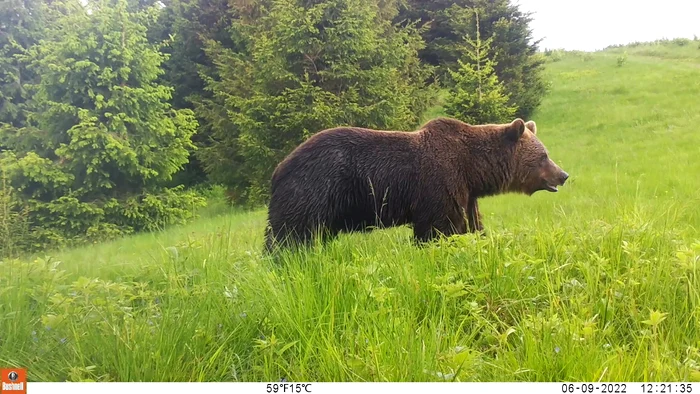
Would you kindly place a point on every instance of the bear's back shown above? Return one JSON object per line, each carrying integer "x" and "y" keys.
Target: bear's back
{"x": 365, "y": 152}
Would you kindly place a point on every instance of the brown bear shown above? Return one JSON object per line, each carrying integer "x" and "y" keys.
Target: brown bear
{"x": 354, "y": 179}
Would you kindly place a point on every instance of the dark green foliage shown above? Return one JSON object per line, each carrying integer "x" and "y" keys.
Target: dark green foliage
{"x": 23, "y": 23}
{"x": 104, "y": 138}
{"x": 186, "y": 25}
{"x": 109, "y": 122}
{"x": 20, "y": 28}
{"x": 478, "y": 97}
{"x": 517, "y": 63}
{"x": 305, "y": 67}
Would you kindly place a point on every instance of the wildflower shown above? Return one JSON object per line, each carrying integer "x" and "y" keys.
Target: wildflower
{"x": 655, "y": 318}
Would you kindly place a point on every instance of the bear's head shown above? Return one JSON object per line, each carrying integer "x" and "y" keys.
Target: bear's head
{"x": 533, "y": 169}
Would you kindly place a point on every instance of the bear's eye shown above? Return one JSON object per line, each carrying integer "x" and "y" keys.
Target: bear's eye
{"x": 544, "y": 158}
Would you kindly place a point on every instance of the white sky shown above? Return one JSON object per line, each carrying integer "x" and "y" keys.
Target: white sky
{"x": 594, "y": 24}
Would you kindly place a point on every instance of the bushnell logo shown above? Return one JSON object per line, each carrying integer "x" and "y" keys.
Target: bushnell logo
{"x": 14, "y": 381}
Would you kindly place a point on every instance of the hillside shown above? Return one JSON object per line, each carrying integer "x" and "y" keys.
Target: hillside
{"x": 597, "y": 282}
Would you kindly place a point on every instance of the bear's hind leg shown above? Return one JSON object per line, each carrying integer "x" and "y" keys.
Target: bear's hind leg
{"x": 280, "y": 237}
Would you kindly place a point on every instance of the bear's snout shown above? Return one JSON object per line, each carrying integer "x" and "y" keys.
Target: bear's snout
{"x": 564, "y": 176}
{"x": 554, "y": 177}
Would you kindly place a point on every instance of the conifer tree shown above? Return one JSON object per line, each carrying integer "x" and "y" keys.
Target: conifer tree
{"x": 514, "y": 49}
{"x": 104, "y": 138}
{"x": 478, "y": 97}
{"x": 21, "y": 27}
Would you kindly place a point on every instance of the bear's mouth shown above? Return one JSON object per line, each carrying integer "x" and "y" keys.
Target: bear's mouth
{"x": 550, "y": 188}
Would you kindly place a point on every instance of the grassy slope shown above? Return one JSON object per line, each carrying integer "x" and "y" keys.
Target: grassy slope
{"x": 599, "y": 281}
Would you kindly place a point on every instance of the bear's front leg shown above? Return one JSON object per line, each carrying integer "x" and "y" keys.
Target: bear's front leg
{"x": 473, "y": 216}
{"x": 428, "y": 227}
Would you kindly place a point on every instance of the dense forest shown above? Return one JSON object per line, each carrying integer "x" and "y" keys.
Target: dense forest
{"x": 115, "y": 114}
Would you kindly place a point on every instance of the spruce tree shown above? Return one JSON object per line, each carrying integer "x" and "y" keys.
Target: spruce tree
{"x": 104, "y": 139}
{"x": 478, "y": 97}
{"x": 514, "y": 49}
{"x": 21, "y": 27}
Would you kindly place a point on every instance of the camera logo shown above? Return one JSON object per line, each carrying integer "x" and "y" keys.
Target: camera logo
{"x": 14, "y": 381}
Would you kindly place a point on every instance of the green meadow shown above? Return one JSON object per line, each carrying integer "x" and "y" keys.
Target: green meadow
{"x": 598, "y": 282}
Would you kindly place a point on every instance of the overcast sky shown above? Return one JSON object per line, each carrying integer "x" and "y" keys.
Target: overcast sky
{"x": 594, "y": 24}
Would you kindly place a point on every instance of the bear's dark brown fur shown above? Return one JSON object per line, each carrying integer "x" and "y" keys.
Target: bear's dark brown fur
{"x": 353, "y": 179}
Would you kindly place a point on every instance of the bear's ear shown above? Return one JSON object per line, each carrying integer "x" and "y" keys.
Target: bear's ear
{"x": 530, "y": 124}
{"x": 515, "y": 130}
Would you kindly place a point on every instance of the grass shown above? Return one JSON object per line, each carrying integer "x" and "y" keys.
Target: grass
{"x": 597, "y": 282}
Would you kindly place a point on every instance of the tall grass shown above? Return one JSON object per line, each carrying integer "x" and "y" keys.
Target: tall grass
{"x": 14, "y": 221}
